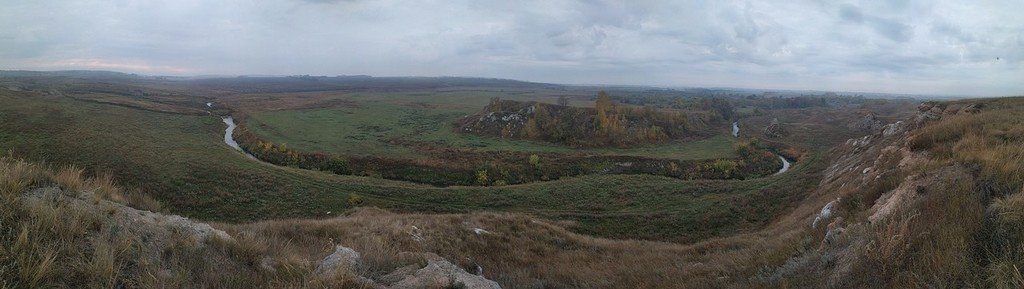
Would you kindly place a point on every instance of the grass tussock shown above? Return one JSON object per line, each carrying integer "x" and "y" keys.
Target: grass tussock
{"x": 70, "y": 179}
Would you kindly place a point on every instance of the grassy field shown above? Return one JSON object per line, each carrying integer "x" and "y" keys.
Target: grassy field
{"x": 181, "y": 161}
{"x": 384, "y": 125}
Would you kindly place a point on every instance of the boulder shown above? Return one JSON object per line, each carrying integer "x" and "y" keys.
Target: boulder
{"x": 440, "y": 273}
{"x": 343, "y": 258}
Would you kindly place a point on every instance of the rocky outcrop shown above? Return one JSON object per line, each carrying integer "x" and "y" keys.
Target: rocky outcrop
{"x": 775, "y": 129}
{"x": 870, "y": 190}
{"x": 825, "y": 214}
{"x": 163, "y": 231}
{"x": 867, "y": 123}
{"x": 438, "y": 273}
{"x": 915, "y": 187}
{"x": 159, "y": 227}
{"x": 504, "y": 123}
{"x": 343, "y": 259}
{"x": 929, "y": 111}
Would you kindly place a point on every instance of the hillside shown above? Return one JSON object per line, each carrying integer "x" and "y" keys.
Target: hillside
{"x": 930, "y": 201}
{"x": 64, "y": 230}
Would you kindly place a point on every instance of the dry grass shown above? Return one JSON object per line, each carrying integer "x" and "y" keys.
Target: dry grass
{"x": 522, "y": 252}
{"x": 962, "y": 229}
{"x": 960, "y": 224}
{"x": 70, "y": 179}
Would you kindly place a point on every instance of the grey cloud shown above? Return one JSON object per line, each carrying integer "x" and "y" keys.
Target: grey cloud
{"x": 944, "y": 28}
{"x": 891, "y": 28}
{"x": 851, "y": 13}
{"x": 801, "y": 44}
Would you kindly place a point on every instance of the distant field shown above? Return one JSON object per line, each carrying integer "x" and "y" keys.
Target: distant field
{"x": 384, "y": 124}
{"x": 181, "y": 160}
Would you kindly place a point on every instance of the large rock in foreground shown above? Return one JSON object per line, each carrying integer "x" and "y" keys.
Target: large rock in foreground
{"x": 439, "y": 273}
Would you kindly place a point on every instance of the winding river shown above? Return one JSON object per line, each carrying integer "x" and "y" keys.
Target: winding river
{"x": 229, "y": 138}
{"x": 785, "y": 163}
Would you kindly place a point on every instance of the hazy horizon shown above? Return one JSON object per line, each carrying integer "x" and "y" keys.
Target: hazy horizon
{"x": 900, "y": 47}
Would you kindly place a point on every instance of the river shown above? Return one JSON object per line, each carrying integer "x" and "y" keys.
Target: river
{"x": 785, "y": 165}
{"x": 230, "y": 139}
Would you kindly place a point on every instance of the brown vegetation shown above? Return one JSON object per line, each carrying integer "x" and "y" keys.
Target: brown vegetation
{"x": 606, "y": 124}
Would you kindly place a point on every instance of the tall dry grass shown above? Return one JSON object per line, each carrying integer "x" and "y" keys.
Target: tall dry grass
{"x": 965, "y": 232}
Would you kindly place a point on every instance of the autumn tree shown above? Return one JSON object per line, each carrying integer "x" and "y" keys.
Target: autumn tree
{"x": 563, "y": 101}
{"x": 535, "y": 161}
{"x": 605, "y": 114}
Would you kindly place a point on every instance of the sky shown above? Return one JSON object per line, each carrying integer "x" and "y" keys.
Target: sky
{"x": 944, "y": 47}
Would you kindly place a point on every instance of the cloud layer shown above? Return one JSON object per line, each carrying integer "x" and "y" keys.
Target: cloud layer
{"x": 901, "y": 46}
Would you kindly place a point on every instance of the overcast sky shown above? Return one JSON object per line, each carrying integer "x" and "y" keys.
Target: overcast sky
{"x": 973, "y": 47}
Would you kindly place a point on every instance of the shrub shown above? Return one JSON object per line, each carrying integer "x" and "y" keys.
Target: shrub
{"x": 725, "y": 167}
{"x": 355, "y": 200}
{"x": 535, "y": 161}
{"x": 482, "y": 178}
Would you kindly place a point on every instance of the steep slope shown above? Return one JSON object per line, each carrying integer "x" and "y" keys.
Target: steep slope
{"x": 932, "y": 201}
